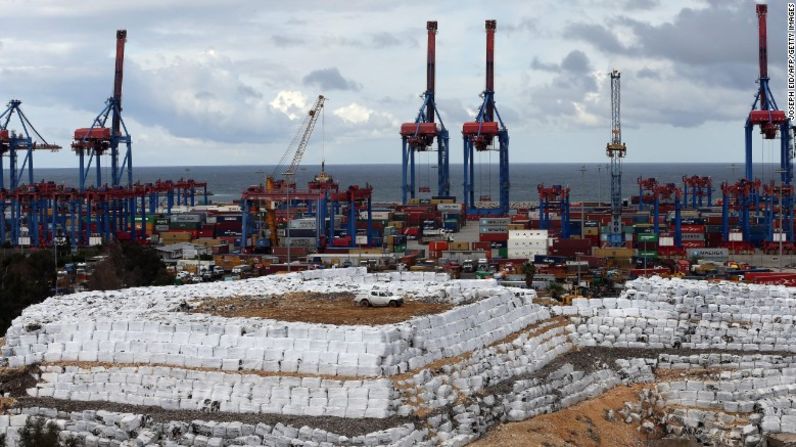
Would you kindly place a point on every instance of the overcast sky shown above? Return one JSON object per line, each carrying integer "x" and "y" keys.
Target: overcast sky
{"x": 210, "y": 82}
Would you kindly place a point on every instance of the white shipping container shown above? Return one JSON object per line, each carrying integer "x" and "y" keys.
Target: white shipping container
{"x": 487, "y": 221}
{"x": 376, "y": 215}
{"x": 186, "y": 218}
{"x": 302, "y": 242}
{"x": 303, "y": 224}
{"x": 736, "y": 236}
{"x": 362, "y": 240}
{"x": 493, "y": 229}
{"x": 528, "y": 243}
{"x": 24, "y": 240}
{"x": 94, "y": 240}
{"x": 666, "y": 241}
{"x": 528, "y": 234}
{"x": 514, "y": 253}
{"x": 449, "y": 207}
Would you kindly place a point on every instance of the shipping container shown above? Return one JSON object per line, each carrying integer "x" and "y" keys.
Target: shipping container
{"x": 494, "y": 221}
{"x": 718, "y": 254}
{"x": 451, "y": 208}
{"x": 693, "y": 236}
{"x": 185, "y": 218}
{"x": 692, "y": 228}
{"x": 493, "y": 229}
{"x": 648, "y": 253}
{"x": 647, "y": 237}
{"x": 493, "y": 237}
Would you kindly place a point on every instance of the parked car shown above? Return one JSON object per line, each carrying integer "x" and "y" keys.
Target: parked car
{"x": 378, "y": 298}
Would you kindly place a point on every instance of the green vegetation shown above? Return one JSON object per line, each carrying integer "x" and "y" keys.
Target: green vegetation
{"x": 530, "y": 271}
{"x": 556, "y": 290}
{"x": 129, "y": 265}
{"x": 29, "y": 278}
{"x": 25, "y": 279}
{"x": 37, "y": 433}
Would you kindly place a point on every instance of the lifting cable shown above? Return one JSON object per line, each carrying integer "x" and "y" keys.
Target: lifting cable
{"x": 428, "y": 170}
{"x": 489, "y": 166}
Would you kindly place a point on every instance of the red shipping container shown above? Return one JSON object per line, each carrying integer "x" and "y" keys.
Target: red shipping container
{"x": 692, "y": 228}
{"x": 438, "y": 245}
{"x": 785, "y": 279}
{"x": 693, "y": 244}
{"x": 493, "y": 237}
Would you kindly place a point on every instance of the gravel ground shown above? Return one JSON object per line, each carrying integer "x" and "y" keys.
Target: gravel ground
{"x": 341, "y": 426}
{"x": 586, "y": 359}
{"x": 590, "y": 359}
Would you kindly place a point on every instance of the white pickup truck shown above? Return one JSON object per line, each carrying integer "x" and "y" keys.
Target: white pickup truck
{"x": 378, "y": 298}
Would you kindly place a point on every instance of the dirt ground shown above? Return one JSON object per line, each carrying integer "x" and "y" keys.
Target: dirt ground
{"x": 582, "y": 425}
{"x": 330, "y": 308}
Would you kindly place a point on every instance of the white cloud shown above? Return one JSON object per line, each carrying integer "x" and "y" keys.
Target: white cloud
{"x": 292, "y": 103}
{"x": 215, "y": 77}
{"x": 353, "y": 113}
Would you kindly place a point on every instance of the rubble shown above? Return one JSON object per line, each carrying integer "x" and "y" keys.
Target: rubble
{"x": 713, "y": 362}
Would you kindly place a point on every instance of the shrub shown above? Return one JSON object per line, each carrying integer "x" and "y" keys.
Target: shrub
{"x": 38, "y": 433}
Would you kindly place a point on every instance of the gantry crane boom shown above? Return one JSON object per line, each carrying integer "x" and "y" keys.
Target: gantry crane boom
{"x": 301, "y": 140}
{"x": 616, "y": 150}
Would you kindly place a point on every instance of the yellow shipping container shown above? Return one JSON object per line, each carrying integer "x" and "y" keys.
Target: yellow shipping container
{"x": 365, "y": 251}
{"x": 458, "y": 246}
{"x": 516, "y": 227}
{"x": 612, "y": 252}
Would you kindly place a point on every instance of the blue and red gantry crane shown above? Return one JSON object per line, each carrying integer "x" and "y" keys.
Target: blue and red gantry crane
{"x": 45, "y": 213}
{"x": 554, "y": 198}
{"x": 419, "y": 136}
{"x": 97, "y": 140}
{"x": 479, "y": 136}
{"x": 699, "y": 190}
{"x": 765, "y": 112}
{"x": 12, "y": 141}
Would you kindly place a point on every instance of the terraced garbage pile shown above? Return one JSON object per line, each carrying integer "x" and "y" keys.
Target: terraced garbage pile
{"x": 234, "y": 364}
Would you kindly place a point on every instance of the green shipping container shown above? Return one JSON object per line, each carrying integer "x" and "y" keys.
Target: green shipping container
{"x": 647, "y": 237}
{"x": 503, "y": 252}
{"x": 399, "y": 248}
{"x": 648, "y": 253}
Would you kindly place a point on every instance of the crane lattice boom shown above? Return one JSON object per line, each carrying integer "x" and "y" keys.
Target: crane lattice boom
{"x": 616, "y": 150}
{"x": 302, "y": 139}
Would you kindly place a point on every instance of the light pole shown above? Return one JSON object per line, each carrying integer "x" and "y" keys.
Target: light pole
{"x": 287, "y": 197}
{"x": 57, "y": 240}
{"x": 600, "y": 183}
{"x": 781, "y": 233}
{"x": 582, "y": 202}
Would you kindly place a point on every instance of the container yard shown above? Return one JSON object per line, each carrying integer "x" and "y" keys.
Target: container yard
{"x": 313, "y": 314}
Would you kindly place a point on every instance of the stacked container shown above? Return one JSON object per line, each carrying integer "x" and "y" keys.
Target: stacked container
{"x": 526, "y": 244}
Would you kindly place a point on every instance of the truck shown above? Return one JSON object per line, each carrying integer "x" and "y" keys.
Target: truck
{"x": 241, "y": 269}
